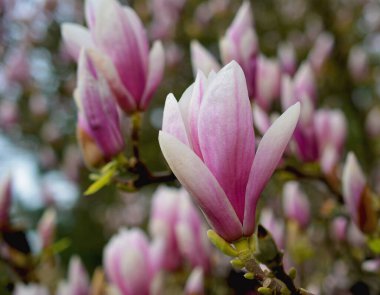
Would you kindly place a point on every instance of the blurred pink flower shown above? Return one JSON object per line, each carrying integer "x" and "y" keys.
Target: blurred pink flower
{"x": 130, "y": 263}
{"x": 296, "y": 204}
{"x": 117, "y": 32}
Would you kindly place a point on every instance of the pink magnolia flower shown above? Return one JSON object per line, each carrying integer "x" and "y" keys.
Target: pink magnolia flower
{"x": 191, "y": 234}
{"x": 296, "y": 204}
{"x": 131, "y": 70}
{"x": 208, "y": 141}
{"x": 268, "y": 81}
{"x": 240, "y": 44}
{"x": 129, "y": 262}
{"x": 78, "y": 281}
{"x": 46, "y": 227}
{"x": 99, "y": 130}
{"x": 331, "y": 130}
{"x": 174, "y": 220}
{"x": 320, "y": 52}
{"x": 357, "y": 197}
{"x": 275, "y": 226}
{"x": 287, "y": 57}
{"x": 163, "y": 219}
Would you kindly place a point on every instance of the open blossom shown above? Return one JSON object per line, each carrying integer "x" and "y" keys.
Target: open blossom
{"x": 240, "y": 44}
{"x": 357, "y": 196}
{"x": 117, "y": 32}
{"x": 130, "y": 263}
{"x": 208, "y": 141}
{"x": 295, "y": 203}
{"x": 99, "y": 130}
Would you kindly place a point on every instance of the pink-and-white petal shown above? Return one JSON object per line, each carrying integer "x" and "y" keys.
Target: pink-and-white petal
{"x": 202, "y": 59}
{"x": 115, "y": 34}
{"x": 226, "y": 136}
{"x": 172, "y": 122}
{"x": 268, "y": 155}
{"x": 76, "y": 37}
{"x": 156, "y": 71}
{"x": 202, "y": 185}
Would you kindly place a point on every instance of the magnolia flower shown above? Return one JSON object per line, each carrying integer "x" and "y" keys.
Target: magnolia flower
{"x": 191, "y": 234}
{"x": 287, "y": 57}
{"x": 268, "y": 81}
{"x": 163, "y": 219}
{"x": 330, "y": 130}
{"x": 295, "y": 203}
{"x": 131, "y": 70}
{"x": 275, "y": 226}
{"x": 98, "y": 128}
{"x": 208, "y": 141}
{"x": 129, "y": 262}
{"x": 78, "y": 281}
{"x": 357, "y": 195}
{"x": 358, "y": 63}
{"x": 320, "y": 52}
{"x": 240, "y": 44}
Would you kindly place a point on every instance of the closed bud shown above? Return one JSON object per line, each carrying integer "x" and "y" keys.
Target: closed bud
{"x": 357, "y": 196}
{"x": 5, "y": 200}
{"x": 46, "y": 228}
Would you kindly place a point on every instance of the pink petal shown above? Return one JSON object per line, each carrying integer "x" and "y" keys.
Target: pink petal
{"x": 202, "y": 185}
{"x": 115, "y": 34}
{"x": 194, "y": 107}
{"x": 172, "y": 122}
{"x": 268, "y": 155}
{"x": 201, "y": 59}
{"x": 226, "y": 135}
{"x": 156, "y": 71}
{"x": 124, "y": 99}
{"x": 76, "y": 37}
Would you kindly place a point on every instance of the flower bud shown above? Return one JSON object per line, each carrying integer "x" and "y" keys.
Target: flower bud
{"x": 357, "y": 196}
{"x": 162, "y": 224}
{"x": 98, "y": 117}
{"x": 296, "y": 204}
{"x": 191, "y": 233}
{"x": 128, "y": 262}
{"x": 320, "y": 52}
{"x": 46, "y": 228}
{"x": 268, "y": 81}
{"x": 287, "y": 57}
{"x": 358, "y": 63}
